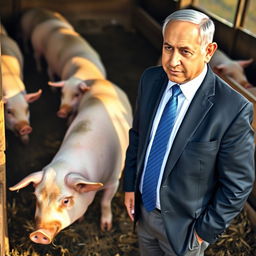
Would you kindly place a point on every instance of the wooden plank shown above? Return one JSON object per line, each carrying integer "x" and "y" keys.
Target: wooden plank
{"x": 240, "y": 13}
{"x": 185, "y": 3}
{"x": 1, "y": 220}
{"x": 4, "y": 241}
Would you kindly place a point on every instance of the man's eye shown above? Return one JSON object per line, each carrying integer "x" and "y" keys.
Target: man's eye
{"x": 168, "y": 48}
{"x": 186, "y": 52}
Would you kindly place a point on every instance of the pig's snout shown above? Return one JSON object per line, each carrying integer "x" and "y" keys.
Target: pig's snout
{"x": 46, "y": 233}
{"x": 27, "y": 129}
{"x": 64, "y": 111}
{"x": 23, "y": 128}
{"x": 41, "y": 236}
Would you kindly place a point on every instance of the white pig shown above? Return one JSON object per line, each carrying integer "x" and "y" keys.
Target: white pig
{"x": 41, "y": 33}
{"x": 14, "y": 94}
{"x": 76, "y": 70}
{"x": 90, "y": 158}
{"x": 64, "y": 44}
{"x": 73, "y": 59}
{"x": 222, "y": 64}
{"x": 32, "y": 17}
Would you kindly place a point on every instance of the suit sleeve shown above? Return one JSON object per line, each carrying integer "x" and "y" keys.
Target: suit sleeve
{"x": 236, "y": 173}
{"x": 130, "y": 167}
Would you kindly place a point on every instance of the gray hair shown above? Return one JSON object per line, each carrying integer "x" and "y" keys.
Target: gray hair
{"x": 206, "y": 25}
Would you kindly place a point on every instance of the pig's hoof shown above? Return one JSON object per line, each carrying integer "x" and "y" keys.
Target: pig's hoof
{"x": 105, "y": 226}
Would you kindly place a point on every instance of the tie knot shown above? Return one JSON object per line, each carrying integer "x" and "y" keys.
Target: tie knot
{"x": 176, "y": 91}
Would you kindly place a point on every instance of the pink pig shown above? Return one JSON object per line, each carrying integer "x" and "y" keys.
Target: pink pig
{"x": 15, "y": 97}
{"x": 42, "y": 32}
{"x": 31, "y": 18}
{"x": 76, "y": 70}
{"x": 74, "y": 60}
{"x": 222, "y": 64}
{"x": 90, "y": 158}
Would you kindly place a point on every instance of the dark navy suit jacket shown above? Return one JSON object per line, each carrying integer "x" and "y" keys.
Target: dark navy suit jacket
{"x": 210, "y": 169}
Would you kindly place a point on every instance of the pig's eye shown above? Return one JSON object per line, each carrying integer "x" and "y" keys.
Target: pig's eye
{"x": 76, "y": 95}
{"x": 66, "y": 201}
{"x": 9, "y": 111}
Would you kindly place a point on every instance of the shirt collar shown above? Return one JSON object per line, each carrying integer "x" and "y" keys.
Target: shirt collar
{"x": 189, "y": 89}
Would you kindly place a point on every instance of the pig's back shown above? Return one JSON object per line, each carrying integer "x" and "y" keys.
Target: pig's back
{"x": 42, "y": 32}
{"x": 32, "y": 17}
{"x": 218, "y": 58}
{"x": 11, "y": 76}
{"x": 112, "y": 107}
{"x": 10, "y": 47}
{"x": 65, "y": 44}
{"x": 99, "y": 133}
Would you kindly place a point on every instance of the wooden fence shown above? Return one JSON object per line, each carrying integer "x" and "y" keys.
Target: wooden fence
{"x": 4, "y": 242}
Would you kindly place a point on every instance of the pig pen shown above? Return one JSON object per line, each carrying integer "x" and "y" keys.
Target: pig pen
{"x": 125, "y": 55}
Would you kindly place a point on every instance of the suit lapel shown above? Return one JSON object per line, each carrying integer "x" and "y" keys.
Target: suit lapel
{"x": 157, "y": 89}
{"x": 198, "y": 109}
{"x": 156, "y": 96}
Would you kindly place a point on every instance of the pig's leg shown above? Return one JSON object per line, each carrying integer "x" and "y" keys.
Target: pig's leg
{"x": 106, "y": 213}
{"x": 50, "y": 74}
{"x": 37, "y": 57}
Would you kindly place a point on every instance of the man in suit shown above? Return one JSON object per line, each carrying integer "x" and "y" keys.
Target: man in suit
{"x": 184, "y": 188}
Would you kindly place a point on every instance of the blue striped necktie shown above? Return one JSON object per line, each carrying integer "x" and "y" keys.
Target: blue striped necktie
{"x": 158, "y": 150}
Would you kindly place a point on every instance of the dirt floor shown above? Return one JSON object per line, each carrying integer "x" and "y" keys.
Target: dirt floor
{"x": 125, "y": 55}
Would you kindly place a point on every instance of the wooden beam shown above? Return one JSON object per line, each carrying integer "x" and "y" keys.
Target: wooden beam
{"x": 4, "y": 242}
{"x": 240, "y": 13}
{"x": 184, "y": 3}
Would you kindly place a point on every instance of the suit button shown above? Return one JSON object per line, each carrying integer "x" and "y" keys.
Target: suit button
{"x": 165, "y": 212}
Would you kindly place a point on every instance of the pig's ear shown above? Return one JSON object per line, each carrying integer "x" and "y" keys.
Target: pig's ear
{"x": 57, "y": 84}
{"x": 83, "y": 87}
{"x": 245, "y": 63}
{"x": 34, "y": 177}
{"x": 31, "y": 97}
{"x": 219, "y": 69}
{"x": 80, "y": 183}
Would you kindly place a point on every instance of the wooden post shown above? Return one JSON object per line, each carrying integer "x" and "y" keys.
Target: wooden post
{"x": 4, "y": 242}
{"x": 184, "y": 3}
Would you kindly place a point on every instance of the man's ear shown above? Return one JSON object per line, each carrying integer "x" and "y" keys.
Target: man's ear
{"x": 210, "y": 50}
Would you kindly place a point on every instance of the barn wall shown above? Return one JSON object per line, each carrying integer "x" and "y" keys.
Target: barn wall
{"x": 87, "y": 15}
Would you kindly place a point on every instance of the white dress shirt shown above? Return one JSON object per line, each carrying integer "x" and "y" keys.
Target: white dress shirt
{"x": 184, "y": 99}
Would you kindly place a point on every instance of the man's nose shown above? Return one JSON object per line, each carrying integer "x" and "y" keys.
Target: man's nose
{"x": 174, "y": 59}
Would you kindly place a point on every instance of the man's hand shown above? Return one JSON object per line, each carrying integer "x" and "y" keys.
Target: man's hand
{"x": 199, "y": 239}
{"x": 129, "y": 203}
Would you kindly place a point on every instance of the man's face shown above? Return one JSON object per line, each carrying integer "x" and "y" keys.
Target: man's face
{"x": 182, "y": 57}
